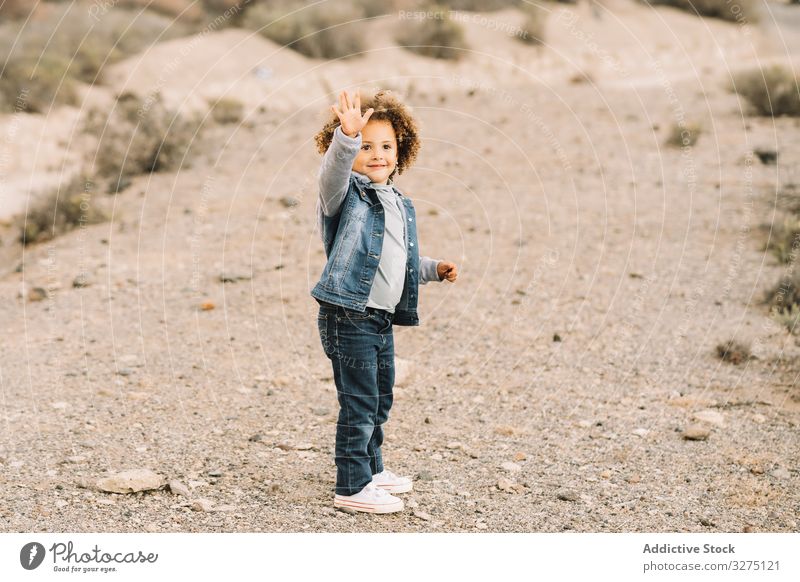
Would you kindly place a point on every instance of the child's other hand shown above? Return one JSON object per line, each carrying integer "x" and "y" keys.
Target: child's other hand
{"x": 447, "y": 271}
{"x": 350, "y": 115}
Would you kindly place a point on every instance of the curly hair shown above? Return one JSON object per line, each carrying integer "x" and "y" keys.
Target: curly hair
{"x": 387, "y": 108}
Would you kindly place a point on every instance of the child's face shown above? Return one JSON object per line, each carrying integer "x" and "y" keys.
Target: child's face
{"x": 378, "y": 156}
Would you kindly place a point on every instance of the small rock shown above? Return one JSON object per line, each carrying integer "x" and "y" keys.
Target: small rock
{"x": 234, "y": 277}
{"x": 520, "y": 456}
{"x": 202, "y": 505}
{"x": 256, "y": 438}
{"x": 436, "y": 457}
{"x": 81, "y": 281}
{"x": 321, "y": 411}
{"x": 289, "y": 201}
{"x": 37, "y": 294}
{"x": 207, "y": 306}
{"x": 707, "y": 522}
{"x": 124, "y": 371}
{"x": 425, "y": 476}
{"x": 640, "y": 432}
{"x": 556, "y": 337}
{"x": 504, "y": 484}
{"x": 131, "y": 481}
{"x": 215, "y": 473}
{"x": 304, "y": 447}
{"x": 584, "y": 423}
{"x": 511, "y": 467}
{"x": 780, "y": 473}
{"x": 709, "y": 416}
{"x": 454, "y": 445}
{"x": 759, "y": 418}
{"x": 766, "y": 155}
{"x": 329, "y": 511}
{"x": 481, "y": 525}
{"x": 422, "y": 515}
{"x": 566, "y": 495}
{"x": 504, "y": 430}
{"x": 412, "y": 504}
{"x": 696, "y": 432}
{"x": 178, "y": 488}
{"x": 633, "y": 478}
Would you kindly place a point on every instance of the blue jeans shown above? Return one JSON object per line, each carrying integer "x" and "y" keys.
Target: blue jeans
{"x": 360, "y": 347}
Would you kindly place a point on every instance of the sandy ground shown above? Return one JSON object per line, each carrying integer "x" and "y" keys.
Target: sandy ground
{"x": 567, "y": 216}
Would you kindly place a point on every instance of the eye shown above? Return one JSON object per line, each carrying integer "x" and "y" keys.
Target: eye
{"x": 387, "y": 146}
{"x": 366, "y": 147}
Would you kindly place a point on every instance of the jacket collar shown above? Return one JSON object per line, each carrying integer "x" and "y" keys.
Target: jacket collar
{"x": 364, "y": 180}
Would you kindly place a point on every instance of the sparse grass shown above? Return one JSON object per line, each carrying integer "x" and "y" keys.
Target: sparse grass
{"x": 683, "y": 134}
{"x": 227, "y": 110}
{"x": 325, "y": 31}
{"x": 480, "y": 5}
{"x": 138, "y": 137}
{"x": 788, "y": 318}
{"x": 785, "y": 294}
{"x": 50, "y": 54}
{"x": 734, "y": 351}
{"x": 784, "y": 240}
{"x": 439, "y": 38}
{"x": 60, "y": 210}
{"x": 533, "y": 27}
{"x": 772, "y": 91}
{"x": 731, "y": 10}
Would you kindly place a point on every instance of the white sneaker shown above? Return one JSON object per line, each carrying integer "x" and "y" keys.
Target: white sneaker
{"x": 392, "y": 483}
{"x": 370, "y": 499}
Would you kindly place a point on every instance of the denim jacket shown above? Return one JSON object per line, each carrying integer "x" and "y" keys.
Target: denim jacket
{"x": 351, "y": 223}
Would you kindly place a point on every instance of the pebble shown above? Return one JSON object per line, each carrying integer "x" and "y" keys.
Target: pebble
{"x": 481, "y": 525}
{"x": 455, "y": 445}
{"x": 633, "y": 479}
{"x": 178, "y": 488}
{"x": 640, "y": 432}
{"x": 320, "y": 411}
{"x": 215, "y": 473}
{"x": 781, "y": 473}
{"x": 425, "y": 475}
{"x": 520, "y": 456}
{"x": 696, "y": 432}
{"x": 436, "y": 457}
{"x": 411, "y": 504}
{"x": 709, "y": 416}
{"x": 422, "y": 515}
{"x": 511, "y": 467}
{"x": 80, "y": 282}
{"x": 202, "y": 505}
{"x": 507, "y": 485}
{"x": 566, "y": 495}
{"x": 131, "y": 481}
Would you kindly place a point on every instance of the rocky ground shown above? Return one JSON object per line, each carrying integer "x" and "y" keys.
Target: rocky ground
{"x": 567, "y": 381}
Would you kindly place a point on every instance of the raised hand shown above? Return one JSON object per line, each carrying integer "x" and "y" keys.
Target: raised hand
{"x": 350, "y": 114}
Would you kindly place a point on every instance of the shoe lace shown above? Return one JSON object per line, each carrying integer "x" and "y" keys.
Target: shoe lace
{"x": 377, "y": 491}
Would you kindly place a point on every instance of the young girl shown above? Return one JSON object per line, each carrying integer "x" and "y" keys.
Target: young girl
{"x": 370, "y": 282}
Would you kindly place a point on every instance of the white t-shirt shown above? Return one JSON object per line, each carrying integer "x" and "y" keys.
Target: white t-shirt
{"x": 390, "y": 277}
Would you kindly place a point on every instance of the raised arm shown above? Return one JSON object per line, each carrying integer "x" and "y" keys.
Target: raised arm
{"x": 427, "y": 270}
{"x": 334, "y": 174}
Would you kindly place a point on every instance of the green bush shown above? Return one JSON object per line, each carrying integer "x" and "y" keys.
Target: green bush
{"x": 59, "y": 210}
{"x": 438, "y": 37}
{"x": 772, "y": 91}
{"x": 138, "y": 137}
{"x": 731, "y": 10}
{"x": 325, "y": 31}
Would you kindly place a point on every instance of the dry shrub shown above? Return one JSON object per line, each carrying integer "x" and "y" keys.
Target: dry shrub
{"x": 227, "y": 110}
{"x": 772, "y": 91}
{"x": 731, "y": 10}
{"x": 139, "y": 136}
{"x": 734, "y": 352}
{"x": 533, "y": 27}
{"x": 60, "y": 210}
{"x": 324, "y": 31}
{"x": 683, "y": 134}
{"x": 438, "y": 37}
{"x": 69, "y": 43}
{"x": 783, "y": 238}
